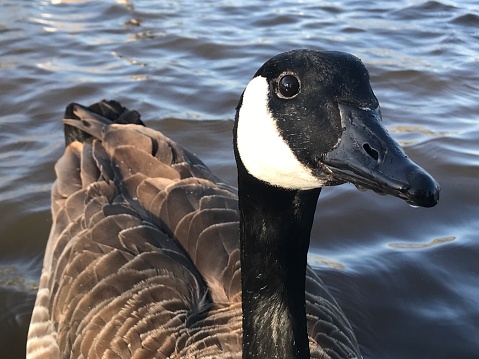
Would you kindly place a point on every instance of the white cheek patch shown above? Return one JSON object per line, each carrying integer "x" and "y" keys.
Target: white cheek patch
{"x": 263, "y": 151}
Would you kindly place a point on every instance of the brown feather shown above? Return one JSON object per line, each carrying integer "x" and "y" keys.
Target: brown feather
{"x": 143, "y": 257}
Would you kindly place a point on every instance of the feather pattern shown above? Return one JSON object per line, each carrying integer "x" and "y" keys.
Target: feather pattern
{"x": 143, "y": 258}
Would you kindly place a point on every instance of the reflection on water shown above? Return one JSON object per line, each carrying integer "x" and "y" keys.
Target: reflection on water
{"x": 434, "y": 242}
{"x": 414, "y": 134}
{"x": 406, "y": 278}
{"x": 11, "y": 278}
{"x": 317, "y": 262}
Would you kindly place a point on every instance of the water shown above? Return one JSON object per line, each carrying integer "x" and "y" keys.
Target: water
{"x": 407, "y": 278}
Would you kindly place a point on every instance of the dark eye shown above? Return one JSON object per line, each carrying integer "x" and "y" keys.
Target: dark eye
{"x": 288, "y": 86}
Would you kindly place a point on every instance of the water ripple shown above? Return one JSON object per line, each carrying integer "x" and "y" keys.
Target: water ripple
{"x": 401, "y": 275}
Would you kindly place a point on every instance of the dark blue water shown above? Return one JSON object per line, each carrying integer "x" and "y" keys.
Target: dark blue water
{"x": 407, "y": 278}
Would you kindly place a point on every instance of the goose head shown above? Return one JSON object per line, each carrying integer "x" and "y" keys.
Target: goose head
{"x": 310, "y": 119}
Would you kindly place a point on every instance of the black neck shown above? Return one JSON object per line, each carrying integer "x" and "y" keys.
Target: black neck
{"x": 275, "y": 230}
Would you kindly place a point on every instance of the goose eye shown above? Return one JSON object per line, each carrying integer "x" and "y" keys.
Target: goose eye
{"x": 288, "y": 86}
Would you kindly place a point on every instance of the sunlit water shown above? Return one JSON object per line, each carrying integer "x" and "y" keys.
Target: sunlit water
{"x": 408, "y": 279}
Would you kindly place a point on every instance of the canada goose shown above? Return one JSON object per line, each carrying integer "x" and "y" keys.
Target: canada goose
{"x": 143, "y": 259}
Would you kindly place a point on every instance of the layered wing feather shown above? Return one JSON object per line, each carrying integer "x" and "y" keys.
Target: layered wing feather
{"x": 143, "y": 255}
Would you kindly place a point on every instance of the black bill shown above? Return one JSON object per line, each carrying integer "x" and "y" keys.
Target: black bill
{"x": 367, "y": 156}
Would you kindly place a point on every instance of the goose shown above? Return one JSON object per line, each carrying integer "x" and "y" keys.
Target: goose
{"x": 151, "y": 255}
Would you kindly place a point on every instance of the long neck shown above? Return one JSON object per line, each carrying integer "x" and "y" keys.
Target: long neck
{"x": 274, "y": 232}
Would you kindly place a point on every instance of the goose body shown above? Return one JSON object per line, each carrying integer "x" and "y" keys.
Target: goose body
{"x": 152, "y": 256}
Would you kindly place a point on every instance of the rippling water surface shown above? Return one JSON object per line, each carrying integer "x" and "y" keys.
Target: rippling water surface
{"x": 407, "y": 278}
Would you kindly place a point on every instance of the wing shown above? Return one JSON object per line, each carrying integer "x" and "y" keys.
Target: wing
{"x": 142, "y": 258}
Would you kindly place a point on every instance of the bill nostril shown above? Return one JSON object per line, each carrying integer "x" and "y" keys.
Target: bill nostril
{"x": 371, "y": 151}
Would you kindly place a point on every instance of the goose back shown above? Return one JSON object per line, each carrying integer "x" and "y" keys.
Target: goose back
{"x": 143, "y": 256}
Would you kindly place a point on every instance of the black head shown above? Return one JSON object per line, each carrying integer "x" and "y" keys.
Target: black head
{"x": 310, "y": 119}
